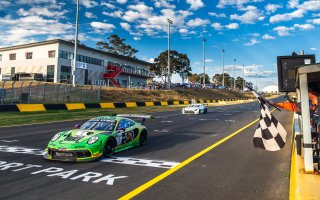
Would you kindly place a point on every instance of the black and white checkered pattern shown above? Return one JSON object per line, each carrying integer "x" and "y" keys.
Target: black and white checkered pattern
{"x": 270, "y": 134}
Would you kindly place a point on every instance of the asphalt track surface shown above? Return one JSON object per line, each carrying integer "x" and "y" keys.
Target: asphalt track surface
{"x": 232, "y": 170}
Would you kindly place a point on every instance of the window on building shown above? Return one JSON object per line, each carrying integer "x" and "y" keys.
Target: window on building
{"x": 65, "y": 75}
{"x": 50, "y": 73}
{"x": 12, "y": 56}
{"x": 13, "y": 70}
{"x": 0, "y": 57}
{"x": 52, "y": 54}
{"x": 28, "y": 55}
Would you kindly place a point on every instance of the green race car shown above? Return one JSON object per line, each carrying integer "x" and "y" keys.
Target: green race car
{"x": 99, "y": 137}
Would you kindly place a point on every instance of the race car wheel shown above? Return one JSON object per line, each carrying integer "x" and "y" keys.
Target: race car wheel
{"x": 143, "y": 138}
{"x": 108, "y": 149}
{"x": 205, "y": 111}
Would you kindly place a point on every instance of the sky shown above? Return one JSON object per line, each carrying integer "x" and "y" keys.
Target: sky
{"x": 252, "y": 32}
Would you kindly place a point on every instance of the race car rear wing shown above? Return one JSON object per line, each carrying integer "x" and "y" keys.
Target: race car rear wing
{"x": 143, "y": 117}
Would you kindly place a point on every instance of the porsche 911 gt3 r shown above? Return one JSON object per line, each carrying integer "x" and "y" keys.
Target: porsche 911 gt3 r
{"x": 195, "y": 109}
{"x": 99, "y": 137}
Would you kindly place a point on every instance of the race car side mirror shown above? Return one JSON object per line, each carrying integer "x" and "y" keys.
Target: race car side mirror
{"x": 77, "y": 126}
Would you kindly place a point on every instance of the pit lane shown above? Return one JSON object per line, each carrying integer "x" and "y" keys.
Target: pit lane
{"x": 172, "y": 138}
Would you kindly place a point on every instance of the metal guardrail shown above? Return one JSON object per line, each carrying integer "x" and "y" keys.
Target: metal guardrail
{"x": 14, "y": 92}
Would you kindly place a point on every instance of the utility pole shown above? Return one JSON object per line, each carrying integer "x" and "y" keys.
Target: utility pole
{"x": 75, "y": 48}
{"x": 223, "y": 68}
{"x": 204, "y": 61}
{"x": 243, "y": 81}
{"x": 169, "y": 23}
{"x": 234, "y": 74}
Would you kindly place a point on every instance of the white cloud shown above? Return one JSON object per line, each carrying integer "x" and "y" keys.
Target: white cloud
{"x": 221, "y": 15}
{"x": 30, "y": 28}
{"x": 88, "y": 3}
{"x": 287, "y": 16}
{"x": 136, "y": 38}
{"x": 139, "y": 11}
{"x": 163, "y": 4}
{"x": 314, "y": 21}
{"x": 122, "y": 1}
{"x": 108, "y": 5}
{"x": 101, "y": 27}
{"x": 268, "y": 37}
{"x": 304, "y": 26}
{"x": 41, "y": 11}
{"x": 217, "y": 26}
{"x": 30, "y": 2}
{"x": 90, "y": 15}
{"x": 283, "y": 31}
{"x": 125, "y": 26}
{"x": 208, "y": 60}
{"x": 313, "y": 49}
{"x": 238, "y": 3}
{"x": 271, "y": 8}
{"x": 252, "y": 42}
{"x": 232, "y": 26}
{"x": 197, "y": 22}
{"x": 293, "y": 3}
{"x": 115, "y": 14}
{"x": 4, "y": 3}
{"x": 195, "y": 4}
{"x": 251, "y": 15}
{"x": 302, "y": 9}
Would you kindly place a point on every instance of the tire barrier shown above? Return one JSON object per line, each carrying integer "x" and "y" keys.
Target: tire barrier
{"x": 82, "y": 106}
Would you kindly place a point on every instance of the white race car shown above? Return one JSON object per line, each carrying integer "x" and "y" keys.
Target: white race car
{"x": 195, "y": 109}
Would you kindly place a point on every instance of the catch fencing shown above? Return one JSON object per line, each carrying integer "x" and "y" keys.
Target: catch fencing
{"x": 33, "y": 92}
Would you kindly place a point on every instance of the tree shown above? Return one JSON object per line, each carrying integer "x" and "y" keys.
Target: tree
{"x": 194, "y": 78}
{"x": 218, "y": 78}
{"x": 117, "y": 46}
{"x": 207, "y": 79}
{"x": 179, "y": 63}
{"x": 183, "y": 66}
{"x": 239, "y": 83}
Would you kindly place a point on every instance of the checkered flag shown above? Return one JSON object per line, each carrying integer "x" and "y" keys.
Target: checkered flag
{"x": 270, "y": 134}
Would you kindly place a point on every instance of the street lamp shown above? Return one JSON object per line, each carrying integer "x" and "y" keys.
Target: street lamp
{"x": 234, "y": 74}
{"x": 243, "y": 81}
{"x": 169, "y": 23}
{"x": 250, "y": 76}
{"x": 204, "y": 62}
{"x": 223, "y": 68}
{"x": 75, "y": 48}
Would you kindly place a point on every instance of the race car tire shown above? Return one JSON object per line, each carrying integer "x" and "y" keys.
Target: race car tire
{"x": 109, "y": 147}
{"x": 205, "y": 110}
{"x": 143, "y": 139}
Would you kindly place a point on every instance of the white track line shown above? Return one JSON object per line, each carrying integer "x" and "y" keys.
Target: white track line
{"x": 113, "y": 159}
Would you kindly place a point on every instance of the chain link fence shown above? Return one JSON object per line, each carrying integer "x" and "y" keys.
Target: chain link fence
{"x": 16, "y": 92}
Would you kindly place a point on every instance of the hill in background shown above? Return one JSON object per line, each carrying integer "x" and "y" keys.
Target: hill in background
{"x": 125, "y": 95}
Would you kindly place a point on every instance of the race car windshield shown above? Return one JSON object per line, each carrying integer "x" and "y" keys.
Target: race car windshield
{"x": 98, "y": 125}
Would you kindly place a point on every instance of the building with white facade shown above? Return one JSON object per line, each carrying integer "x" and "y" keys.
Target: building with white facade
{"x": 53, "y": 59}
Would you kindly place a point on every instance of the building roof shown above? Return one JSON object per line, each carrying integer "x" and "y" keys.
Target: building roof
{"x": 34, "y": 44}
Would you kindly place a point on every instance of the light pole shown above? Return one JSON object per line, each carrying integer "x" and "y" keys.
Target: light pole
{"x": 234, "y": 74}
{"x": 223, "y": 68}
{"x": 250, "y": 77}
{"x": 243, "y": 81}
{"x": 204, "y": 62}
{"x": 75, "y": 48}
{"x": 169, "y": 23}
{"x": 257, "y": 82}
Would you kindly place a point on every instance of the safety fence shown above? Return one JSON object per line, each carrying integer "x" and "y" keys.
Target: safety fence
{"x": 111, "y": 105}
{"x": 34, "y": 92}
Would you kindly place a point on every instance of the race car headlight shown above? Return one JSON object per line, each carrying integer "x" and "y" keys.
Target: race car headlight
{"x": 93, "y": 139}
{"x": 55, "y": 137}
